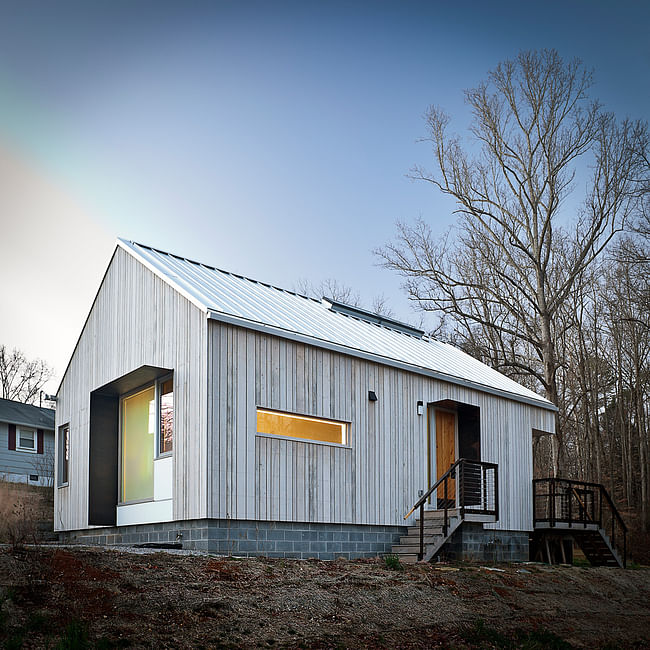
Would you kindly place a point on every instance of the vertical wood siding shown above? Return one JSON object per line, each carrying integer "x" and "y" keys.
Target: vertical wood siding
{"x": 136, "y": 320}
{"x": 376, "y": 478}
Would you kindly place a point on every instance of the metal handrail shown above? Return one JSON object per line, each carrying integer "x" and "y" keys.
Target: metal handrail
{"x": 432, "y": 489}
{"x": 443, "y": 480}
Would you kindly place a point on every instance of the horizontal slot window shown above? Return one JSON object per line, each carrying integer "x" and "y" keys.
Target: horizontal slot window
{"x": 300, "y": 426}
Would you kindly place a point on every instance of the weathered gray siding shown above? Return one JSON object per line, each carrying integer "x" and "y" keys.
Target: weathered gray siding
{"x": 376, "y": 479}
{"x": 137, "y": 319}
{"x": 24, "y": 463}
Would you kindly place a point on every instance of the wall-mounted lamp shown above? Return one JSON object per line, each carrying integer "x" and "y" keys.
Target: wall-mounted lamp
{"x": 420, "y": 407}
{"x": 372, "y": 396}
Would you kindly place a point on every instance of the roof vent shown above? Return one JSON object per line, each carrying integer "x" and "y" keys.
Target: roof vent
{"x": 370, "y": 317}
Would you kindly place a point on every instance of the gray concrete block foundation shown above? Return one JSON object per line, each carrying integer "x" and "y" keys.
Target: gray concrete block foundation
{"x": 252, "y": 538}
{"x": 473, "y": 543}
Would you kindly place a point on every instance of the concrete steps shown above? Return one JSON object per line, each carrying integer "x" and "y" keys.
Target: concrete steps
{"x": 409, "y": 547}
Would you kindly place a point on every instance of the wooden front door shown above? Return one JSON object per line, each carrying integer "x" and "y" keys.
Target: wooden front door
{"x": 445, "y": 450}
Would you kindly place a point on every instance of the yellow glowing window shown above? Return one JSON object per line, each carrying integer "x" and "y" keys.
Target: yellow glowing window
{"x": 300, "y": 426}
{"x": 138, "y": 435}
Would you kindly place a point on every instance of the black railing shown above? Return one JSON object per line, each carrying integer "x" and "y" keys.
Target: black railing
{"x": 468, "y": 486}
{"x": 576, "y": 504}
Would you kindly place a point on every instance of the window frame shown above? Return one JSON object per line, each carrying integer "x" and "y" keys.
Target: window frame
{"x": 159, "y": 382}
{"x": 61, "y": 459}
{"x": 19, "y": 447}
{"x": 344, "y": 423}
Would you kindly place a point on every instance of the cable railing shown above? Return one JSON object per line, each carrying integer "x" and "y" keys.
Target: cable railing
{"x": 575, "y": 504}
{"x": 468, "y": 486}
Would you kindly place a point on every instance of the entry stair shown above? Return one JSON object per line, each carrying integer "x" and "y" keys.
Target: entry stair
{"x": 434, "y": 539}
{"x": 467, "y": 491}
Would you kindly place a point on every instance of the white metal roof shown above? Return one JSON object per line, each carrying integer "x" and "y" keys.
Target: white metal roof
{"x": 235, "y": 299}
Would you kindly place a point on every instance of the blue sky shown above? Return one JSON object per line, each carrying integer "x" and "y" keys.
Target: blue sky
{"x": 270, "y": 139}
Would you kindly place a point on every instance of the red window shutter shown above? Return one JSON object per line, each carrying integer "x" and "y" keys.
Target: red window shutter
{"x": 12, "y": 437}
{"x": 39, "y": 441}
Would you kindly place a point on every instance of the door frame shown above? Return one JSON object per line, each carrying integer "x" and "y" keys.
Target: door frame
{"x": 432, "y": 467}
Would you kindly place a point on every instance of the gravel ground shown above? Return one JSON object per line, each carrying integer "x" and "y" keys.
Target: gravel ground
{"x": 180, "y": 599}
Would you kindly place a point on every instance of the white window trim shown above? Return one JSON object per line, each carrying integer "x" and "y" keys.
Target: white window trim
{"x": 27, "y": 450}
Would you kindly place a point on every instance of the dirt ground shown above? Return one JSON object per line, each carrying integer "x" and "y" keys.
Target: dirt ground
{"x": 82, "y": 597}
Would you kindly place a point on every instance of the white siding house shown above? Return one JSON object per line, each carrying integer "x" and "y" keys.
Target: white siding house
{"x": 234, "y": 416}
{"x": 26, "y": 443}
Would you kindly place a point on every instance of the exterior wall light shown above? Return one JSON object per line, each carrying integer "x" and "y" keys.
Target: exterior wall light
{"x": 420, "y": 407}
{"x": 372, "y": 396}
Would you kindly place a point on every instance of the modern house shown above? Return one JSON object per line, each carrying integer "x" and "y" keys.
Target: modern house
{"x": 26, "y": 443}
{"x": 225, "y": 414}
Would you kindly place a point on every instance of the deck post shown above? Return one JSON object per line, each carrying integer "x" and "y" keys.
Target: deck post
{"x": 600, "y": 507}
{"x": 552, "y": 504}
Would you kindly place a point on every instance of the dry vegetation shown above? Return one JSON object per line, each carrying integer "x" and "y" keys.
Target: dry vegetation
{"x": 26, "y": 513}
{"x": 62, "y": 597}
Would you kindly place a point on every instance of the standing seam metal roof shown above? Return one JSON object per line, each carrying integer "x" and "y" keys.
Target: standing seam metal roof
{"x": 222, "y": 294}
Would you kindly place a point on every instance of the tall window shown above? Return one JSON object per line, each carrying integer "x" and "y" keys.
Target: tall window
{"x": 64, "y": 454}
{"x": 138, "y": 436}
{"x": 147, "y": 432}
{"x": 290, "y": 425}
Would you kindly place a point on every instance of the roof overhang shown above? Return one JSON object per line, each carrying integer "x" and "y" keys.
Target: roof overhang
{"x": 132, "y": 380}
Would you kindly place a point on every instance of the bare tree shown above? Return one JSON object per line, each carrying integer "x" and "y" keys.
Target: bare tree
{"x": 331, "y": 288}
{"x": 504, "y": 273}
{"x": 21, "y": 379}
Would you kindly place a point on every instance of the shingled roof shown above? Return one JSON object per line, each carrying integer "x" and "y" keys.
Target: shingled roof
{"x": 238, "y": 300}
{"x": 26, "y": 414}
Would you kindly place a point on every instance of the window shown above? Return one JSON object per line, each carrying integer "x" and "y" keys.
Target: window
{"x": 26, "y": 440}
{"x": 138, "y": 435}
{"x": 166, "y": 416}
{"x": 147, "y": 432}
{"x": 303, "y": 427}
{"x": 64, "y": 454}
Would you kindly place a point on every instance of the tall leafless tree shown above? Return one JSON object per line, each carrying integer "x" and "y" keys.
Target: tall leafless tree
{"x": 20, "y": 378}
{"x": 523, "y": 237}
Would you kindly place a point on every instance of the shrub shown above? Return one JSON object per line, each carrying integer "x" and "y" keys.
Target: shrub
{"x": 393, "y": 563}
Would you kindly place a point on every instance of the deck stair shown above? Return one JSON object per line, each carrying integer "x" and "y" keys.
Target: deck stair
{"x": 597, "y": 547}
{"x": 579, "y": 511}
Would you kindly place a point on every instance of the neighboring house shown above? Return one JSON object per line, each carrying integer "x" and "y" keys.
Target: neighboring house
{"x": 26, "y": 443}
{"x": 204, "y": 407}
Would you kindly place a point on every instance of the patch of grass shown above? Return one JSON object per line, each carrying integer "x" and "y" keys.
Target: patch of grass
{"x": 14, "y": 642}
{"x": 75, "y": 637}
{"x": 393, "y": 563}
{"x": 631, "y": 564}
{"x": 108, "y": 644}
{"x": 581, "y": 562}
{"x": 541, "y": 640}
{"x": 37, "y": 622}
{"x": 483, "y": 636}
